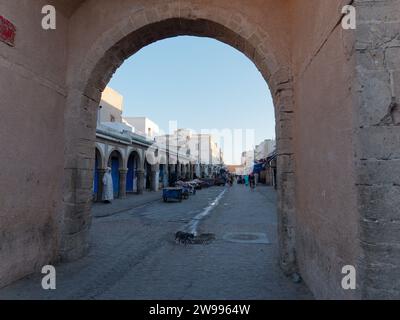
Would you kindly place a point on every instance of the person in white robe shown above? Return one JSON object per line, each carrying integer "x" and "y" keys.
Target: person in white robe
{"x": 108, "y": 190}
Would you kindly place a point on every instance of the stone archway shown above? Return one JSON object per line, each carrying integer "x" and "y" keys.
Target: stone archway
{"x": 159, "y": 22}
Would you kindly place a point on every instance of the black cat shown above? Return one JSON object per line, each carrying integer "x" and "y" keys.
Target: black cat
{"x": 184, "y": 237}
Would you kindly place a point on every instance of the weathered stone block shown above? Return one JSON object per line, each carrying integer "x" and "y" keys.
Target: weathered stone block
{"x": 372, "y": 172}
{"x": 379, "y": 142}
{"x": 376, "y": 97}
{"x": 379, "y": 202}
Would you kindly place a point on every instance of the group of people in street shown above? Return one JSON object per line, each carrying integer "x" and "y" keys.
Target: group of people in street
{"x": 248, "y": 180}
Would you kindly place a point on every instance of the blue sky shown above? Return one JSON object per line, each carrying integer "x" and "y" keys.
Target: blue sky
{"x": 199, "y": 82}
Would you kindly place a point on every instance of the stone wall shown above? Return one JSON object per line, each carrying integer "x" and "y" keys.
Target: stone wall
{"x": 31, "y": 138}
{"x": 378, "y": 146}
{"x": 326, "y": 204}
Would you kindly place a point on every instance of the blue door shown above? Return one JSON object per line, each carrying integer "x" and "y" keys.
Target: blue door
{"x": 131, "y": 174}
{"x": 115, "y": 175}
{"x": 161, "y": 176}
{"x": 161, "y": 173}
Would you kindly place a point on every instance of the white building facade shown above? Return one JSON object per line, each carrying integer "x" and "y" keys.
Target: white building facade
{"x": 143, "y": 126}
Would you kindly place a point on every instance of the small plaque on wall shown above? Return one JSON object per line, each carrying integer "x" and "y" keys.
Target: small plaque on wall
{"x": 7, "y": 31}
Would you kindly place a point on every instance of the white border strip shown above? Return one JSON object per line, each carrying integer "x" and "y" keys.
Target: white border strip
{"x": 193, "y": 224}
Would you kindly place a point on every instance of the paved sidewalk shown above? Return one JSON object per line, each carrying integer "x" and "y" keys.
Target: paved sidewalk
{"x": 132, "y": 201}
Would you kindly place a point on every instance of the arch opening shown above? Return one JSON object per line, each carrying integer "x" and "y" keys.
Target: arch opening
{"x": 278, "y": 78}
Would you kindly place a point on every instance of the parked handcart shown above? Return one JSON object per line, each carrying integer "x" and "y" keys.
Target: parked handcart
{"x": 173, "y": 193}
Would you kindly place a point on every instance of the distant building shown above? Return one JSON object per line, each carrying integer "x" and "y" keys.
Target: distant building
{"x": 143, "y": 126}
{"x": 208, "y": 154}
{"x": 264, "y": 149}
{"x": 235, "y": 169}
{"x": 247, "y": 161}
{"x": 201, "y": 149}
{"x": 111, "y": 106}
{"x": 121, "y": 149}
{"x": 262, "y": 162}
{"x": 129, "y": 145}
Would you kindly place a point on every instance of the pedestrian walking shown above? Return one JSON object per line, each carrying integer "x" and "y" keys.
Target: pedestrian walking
{"x": 252, "y": 180}
{"x": 108, "y": 190}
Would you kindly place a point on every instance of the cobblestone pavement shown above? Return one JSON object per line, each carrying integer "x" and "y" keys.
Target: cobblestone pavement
{"x": 133, "y": 254}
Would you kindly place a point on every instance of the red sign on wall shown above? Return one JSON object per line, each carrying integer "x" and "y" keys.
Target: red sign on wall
{"x": 7, "y": 31}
